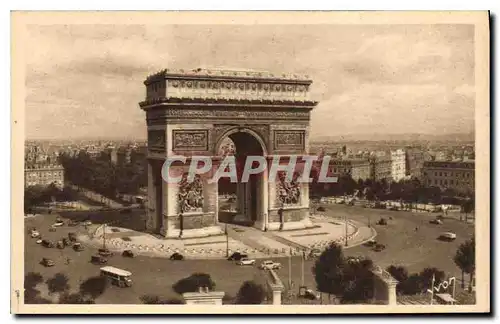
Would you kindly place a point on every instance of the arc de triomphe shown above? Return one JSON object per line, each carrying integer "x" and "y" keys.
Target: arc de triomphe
{"x": 191, "y": 112}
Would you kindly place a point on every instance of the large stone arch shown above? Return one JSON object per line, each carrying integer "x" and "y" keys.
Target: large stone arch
{"x": 190, "y": 112}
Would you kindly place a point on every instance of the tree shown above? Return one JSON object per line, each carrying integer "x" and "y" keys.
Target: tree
{"x": 328, "y": 270}
{"x": 427, "y": 274}
{"x": 193, "y": 283}
{"x": 31, "y": 281}
{"x": 58, "y": 283}
{"x": 75, "y": 298}
{"x": 467, "y": 207}
{"x": 157, "y": 300}
{"x": 465, "y": 259}
{"x": 94, "y": 286}
{"x": 399, "y": 273}
{"x": 357, "y": 282}
{"x": 250, "y": 293}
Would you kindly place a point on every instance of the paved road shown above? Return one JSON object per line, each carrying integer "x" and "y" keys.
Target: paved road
{"x": 405, "y": 246}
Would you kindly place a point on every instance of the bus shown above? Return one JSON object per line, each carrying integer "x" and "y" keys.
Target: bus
{"x": 118, "y": 277}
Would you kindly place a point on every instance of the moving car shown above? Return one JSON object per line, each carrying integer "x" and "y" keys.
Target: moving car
{"x": 60, "y": 245}
{"x": 72, "y": 236}
{"x": 98, "y": 259}
{"x": 78, "y": 247}
{"x": 315, "y": 253}
{"x": 47, "y": 262}
{"x": 436, "y": 221}
{"x": 47, "y": 243}
{"x": 39, "y": 241}
{"x": 87, "y": 223}
{"x": 237, "y": 256}
{"x": 268, "y": 264}
{"x": 370, "y": 243}
{"x": 117, "y": 276}
{"x": 448, "y": 236}
{"x": 177, "y": 257}
{"x": 35, "y": 234}
{"x": 246, "y": 261}
{"x": 58, "y": 223}
{"x": 311, "y": 294}
{"x": 105, "y": 252}
{"x": 379, "y": 247}
{"x": 128, "y": 254}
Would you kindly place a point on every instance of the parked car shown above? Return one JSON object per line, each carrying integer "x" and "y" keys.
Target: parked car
{"x": 87, "y": 223}
{"x": 448, "y": 236}
{"x": 268, "y": 264}
{"x": 58, "y": 224}
{"x": 394, "y": 208}
{"x": 321, "y": 209}
{"x": 47, "y": 262}
{"x": 128, "y": 254}
{"x": 78, "y": 247}
{"x": 237, "y": 256}
{"x": 370, "y": 243}
{"x": 311, "y": 294}
{"x": 315, "y": 253}
{"x": 382, "y": 221}
{"x": 66, "y": 241}
{"x": 98, "y": 259}
{"x": 47, "y": 243}
{"x": 73, "y": 223}
{"x": 436, "y": 221}
{"x": 177, "y": 257}
{"x": 105, "y": 252}
{"x": 72, "y": 236}
{"x": 246, "y": 261}
{"x": 379, "y": 247}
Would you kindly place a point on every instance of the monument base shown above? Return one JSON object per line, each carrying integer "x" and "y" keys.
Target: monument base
{"x": 287, "y": 226}
{"x": 194, "y": 233}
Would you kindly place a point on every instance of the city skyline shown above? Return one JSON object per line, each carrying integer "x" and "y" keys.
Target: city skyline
{"x": 84, "y": 80}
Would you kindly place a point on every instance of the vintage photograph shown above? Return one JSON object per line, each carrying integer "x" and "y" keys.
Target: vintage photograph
{"x": 316, "y": 162}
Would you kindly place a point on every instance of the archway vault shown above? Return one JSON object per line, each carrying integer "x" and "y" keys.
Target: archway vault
{"x": 191, "y": 112}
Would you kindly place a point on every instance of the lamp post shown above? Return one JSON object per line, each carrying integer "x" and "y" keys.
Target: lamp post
{"x": 227, "y": 240}
{"x": 345, "y": 220}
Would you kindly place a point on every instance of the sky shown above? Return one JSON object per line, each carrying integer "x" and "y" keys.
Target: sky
{"x": 87, "y": 80}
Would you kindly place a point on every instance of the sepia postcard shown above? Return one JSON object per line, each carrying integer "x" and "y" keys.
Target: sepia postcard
{"x": 250, "y": 162}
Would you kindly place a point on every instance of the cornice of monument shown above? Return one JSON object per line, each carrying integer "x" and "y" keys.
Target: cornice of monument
{"x": 228, "y": 75}
{"x": 175, "y": 101}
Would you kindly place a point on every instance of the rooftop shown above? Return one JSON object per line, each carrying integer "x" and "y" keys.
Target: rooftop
{"x": 229, "y": 73}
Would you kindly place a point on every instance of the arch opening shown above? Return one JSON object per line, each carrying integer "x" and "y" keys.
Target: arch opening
{"x": 241, "y": 202}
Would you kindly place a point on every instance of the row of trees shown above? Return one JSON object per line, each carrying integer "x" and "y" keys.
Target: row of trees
{"x": 351, "y": 280}
{"x": 60, "y": 290}
{"x": 38, "y": 195}
{"x": 103, "y": 176}
{"x": 410, "y": 191}
{"x": 250, "y": 292}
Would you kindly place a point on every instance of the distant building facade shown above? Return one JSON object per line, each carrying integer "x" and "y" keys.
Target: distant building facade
{"x": 357, "y": 168}
{"x": 381, "y": 168}
{"x": 447, "y": 174}
{"x": 43, "y": 175}
{"x": 398, "y": 165}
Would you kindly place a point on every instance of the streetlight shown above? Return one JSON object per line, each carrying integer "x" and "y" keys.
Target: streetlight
{"x": 227, "y": 240}
{"x": 345, "y": 220}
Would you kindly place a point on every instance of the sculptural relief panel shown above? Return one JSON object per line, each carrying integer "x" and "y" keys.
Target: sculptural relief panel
{"x": 289, "y": 140}
{"x": 156, "y": 140}
{"x": 190, "y": 140}
{"x": 287, "y": 191}
{"x": 190, "y": 196}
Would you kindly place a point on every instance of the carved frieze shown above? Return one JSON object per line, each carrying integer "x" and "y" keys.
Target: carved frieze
{"x": 190, "y": 140}
{"x": 156, "y": 140}
{"x": 287, "y": 192}
{"x": 190, "y": 197}
{"x": 289, "y": 140}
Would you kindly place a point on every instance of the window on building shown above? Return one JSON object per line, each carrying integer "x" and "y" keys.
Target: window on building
{"x": 451, "y": 182}
{"x": 440, "y": 174}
